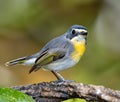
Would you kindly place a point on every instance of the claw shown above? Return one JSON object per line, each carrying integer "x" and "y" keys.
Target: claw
{"x": 60, "y": 82}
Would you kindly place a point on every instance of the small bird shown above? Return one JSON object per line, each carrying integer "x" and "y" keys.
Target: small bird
{"x": 59, "y": 54}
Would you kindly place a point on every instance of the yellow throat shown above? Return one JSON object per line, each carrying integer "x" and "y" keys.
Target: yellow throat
{"x": 79, "y": 47}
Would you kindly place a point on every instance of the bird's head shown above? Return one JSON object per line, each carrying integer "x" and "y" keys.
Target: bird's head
{"x": 77, "y": 33}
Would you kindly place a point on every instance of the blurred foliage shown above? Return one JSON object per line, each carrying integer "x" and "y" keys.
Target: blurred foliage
{"x": 75, "y": 100}
{"x": 26, "y": 25}
{"x": 10, "y": 95}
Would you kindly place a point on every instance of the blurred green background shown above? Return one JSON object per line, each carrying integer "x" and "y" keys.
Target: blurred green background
{"x": 26, "y": 25}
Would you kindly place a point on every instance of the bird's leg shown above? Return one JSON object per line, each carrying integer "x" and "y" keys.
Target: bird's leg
{"x": 58, "y": 76}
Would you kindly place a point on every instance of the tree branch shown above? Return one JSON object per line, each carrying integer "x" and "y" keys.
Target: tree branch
{"x": 59, "y": 91}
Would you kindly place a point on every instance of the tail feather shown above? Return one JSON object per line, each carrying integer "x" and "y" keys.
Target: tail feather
{"x": 16, "y": 61}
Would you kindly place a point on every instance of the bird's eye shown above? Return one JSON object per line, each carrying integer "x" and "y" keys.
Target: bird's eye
{"x": 73, "y": 31}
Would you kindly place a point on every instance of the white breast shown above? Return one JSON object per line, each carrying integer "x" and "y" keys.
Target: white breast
{"x": 60, "y": 65}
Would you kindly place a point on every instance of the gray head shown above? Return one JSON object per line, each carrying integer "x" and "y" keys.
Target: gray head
{"x": 76, "y": 30}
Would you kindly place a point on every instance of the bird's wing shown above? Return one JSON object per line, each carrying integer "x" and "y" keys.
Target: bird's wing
{"x": 54, "y": 50}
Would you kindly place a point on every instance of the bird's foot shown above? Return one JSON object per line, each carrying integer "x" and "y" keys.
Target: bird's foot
{"x": 63, "y": 81}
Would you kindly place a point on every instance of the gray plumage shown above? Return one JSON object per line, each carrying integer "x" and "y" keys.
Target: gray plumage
{"x": 56, "y": 54}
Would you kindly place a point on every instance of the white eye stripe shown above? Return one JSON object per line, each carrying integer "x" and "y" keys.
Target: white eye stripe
{"x": 80, "y": 30}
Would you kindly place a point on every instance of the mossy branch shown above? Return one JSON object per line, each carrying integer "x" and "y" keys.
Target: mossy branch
{"x": 59, "y": 91}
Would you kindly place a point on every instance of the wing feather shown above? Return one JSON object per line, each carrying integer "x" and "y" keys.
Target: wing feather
{"x": 53, "y": 51}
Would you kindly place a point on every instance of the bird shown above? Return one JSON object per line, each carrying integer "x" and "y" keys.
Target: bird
{"x": 60, "y": 53}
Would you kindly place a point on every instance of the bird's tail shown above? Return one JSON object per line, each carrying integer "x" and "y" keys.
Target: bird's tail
{"x": 16, "y": 61}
